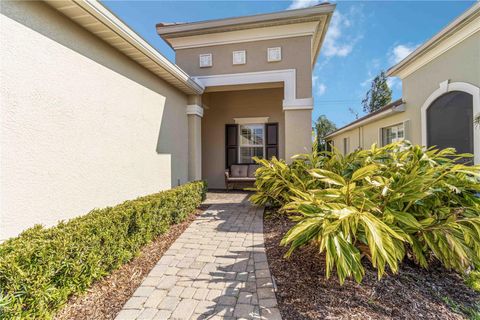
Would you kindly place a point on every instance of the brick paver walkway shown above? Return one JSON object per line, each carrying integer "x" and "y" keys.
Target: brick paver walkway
{"x": 217, "y": 269}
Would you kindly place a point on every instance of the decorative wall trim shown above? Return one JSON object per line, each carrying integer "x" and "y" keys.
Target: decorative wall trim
{"x": 194, "y": 109}
{"x": 447, "y": 86}
{"x": 298, "y": 104}
{"x": 287, "y": 76}
{"x": 239, "y": 57}
{"x": 253, "y": 120}
{"x": 205, "y": 60}
{"x": 274, "y": 54}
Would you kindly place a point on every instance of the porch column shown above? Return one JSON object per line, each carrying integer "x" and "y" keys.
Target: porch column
{"x": 298, "y": 127}
{"x": 194, "y": 114}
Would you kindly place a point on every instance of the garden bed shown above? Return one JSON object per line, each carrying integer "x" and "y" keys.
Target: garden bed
{"x": 107, "y": 296}
{"x": 414, "y": 293}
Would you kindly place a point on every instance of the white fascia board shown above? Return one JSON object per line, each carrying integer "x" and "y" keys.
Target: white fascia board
{"x": 247, "y": 35}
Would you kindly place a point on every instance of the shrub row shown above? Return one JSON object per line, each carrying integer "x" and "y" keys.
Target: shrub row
{"x": 383, "y": 204}
{"x": 42, "y": 267}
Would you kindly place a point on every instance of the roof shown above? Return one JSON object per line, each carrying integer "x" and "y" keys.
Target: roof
{"x": 467, "y": 24}
{"x": 320, "y": 14}
{"x": 97, "y": 19}
{"x": 389, "y": 109}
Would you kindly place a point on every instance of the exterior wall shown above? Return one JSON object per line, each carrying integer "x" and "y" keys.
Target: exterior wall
{"x": 295, "y": 55}
{"x": 82, "y": 125}
{"x": 194, "y": 147}
{"x": 459, "y": 64}
{"x": 363, "y": 137}
{"x": 219, "y": 109}
{"x": 298, "y": 132}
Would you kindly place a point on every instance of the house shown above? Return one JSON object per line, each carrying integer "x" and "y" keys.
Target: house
{"x": 92, "y": 115}
{"x": 441, "y": 95}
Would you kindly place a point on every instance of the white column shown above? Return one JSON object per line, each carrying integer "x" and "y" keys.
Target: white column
{"x": 194, "y": 114}
{"x": 298, "y": 127}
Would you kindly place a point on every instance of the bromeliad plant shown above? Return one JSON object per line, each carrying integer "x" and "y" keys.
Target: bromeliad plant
{"x": 383, "y": 204}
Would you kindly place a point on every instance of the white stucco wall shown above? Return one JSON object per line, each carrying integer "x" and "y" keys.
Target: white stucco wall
{"x": 82, "y": 126}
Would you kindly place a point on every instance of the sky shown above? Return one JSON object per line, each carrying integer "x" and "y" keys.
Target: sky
{"x": 364, "y": 38}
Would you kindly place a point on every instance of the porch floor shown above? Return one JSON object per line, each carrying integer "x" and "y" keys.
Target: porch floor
{"x": 217, "y": 269}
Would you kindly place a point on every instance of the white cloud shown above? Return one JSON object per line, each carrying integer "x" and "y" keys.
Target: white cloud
{"x": 321, "y": 89}
{"x": 343, "y": 33}
{"x": 318, "y": 87}
{"x": 392, "y": 82}
{"x": 399, "y": 52}
{"x": 297, "y": 4}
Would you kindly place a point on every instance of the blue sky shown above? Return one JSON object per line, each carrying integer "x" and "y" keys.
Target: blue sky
{"x": 364, "y": 38}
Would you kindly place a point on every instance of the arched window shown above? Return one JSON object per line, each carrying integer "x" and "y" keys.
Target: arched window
{"x": 450, "y": 122}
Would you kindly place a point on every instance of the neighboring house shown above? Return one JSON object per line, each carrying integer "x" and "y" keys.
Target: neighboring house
{"x": 441, "y": 95}
{"x": 92, "y": 115}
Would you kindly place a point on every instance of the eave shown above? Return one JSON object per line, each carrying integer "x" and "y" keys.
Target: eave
{"x": 97, "y": 19}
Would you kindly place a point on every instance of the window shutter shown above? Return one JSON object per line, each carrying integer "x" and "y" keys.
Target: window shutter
{"x": 231, "y": 144}
{"x": 406, "y": 130}
{"x": 271, "y": 140}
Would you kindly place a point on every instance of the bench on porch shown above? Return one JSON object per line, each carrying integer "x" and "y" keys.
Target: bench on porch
{"x": 240, "y": 174}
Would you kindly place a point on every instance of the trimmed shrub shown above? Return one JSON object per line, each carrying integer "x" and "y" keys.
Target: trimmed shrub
{"x": 42, "y": 267}
{"x": 382, "y": 203}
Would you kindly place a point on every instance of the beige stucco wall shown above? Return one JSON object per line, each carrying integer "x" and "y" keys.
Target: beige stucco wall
{"x": 363, "y": 137}
{"x": 295, "y": 55}
{"x": 459, "y": 64}
{"x": 298, "y": 132}
{"x": 82, "y": 126}
{"x": 220, "y": 109}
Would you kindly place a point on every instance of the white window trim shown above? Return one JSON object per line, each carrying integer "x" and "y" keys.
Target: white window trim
{"x": 393, "y": 124}
{"x": 257, "y": 120}
{"x": 253, "y": 146}
{"x": 445, "y": 87}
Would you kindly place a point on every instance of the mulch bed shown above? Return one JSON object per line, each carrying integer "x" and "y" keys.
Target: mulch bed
{"x": 303, "y": 292}
{"x": 107, "y": 296}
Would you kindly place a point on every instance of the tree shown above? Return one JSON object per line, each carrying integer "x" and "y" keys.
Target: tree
{"x": 323, "y": 126}
{"x": 378, "y": 95}
{"x": 477, "y": 120}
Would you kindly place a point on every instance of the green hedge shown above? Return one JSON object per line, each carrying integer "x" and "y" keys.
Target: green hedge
{"x": 42, "y": 267}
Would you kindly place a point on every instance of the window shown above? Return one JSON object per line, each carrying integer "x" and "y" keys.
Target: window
{"x": 239, "y": 57}
{"x": 393, "y": 134}
{"x": 346, "y": 145}
{"x": 274, "y": 54}
{"x": 205, "y": 60}
{"x": 252, "y": 142}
